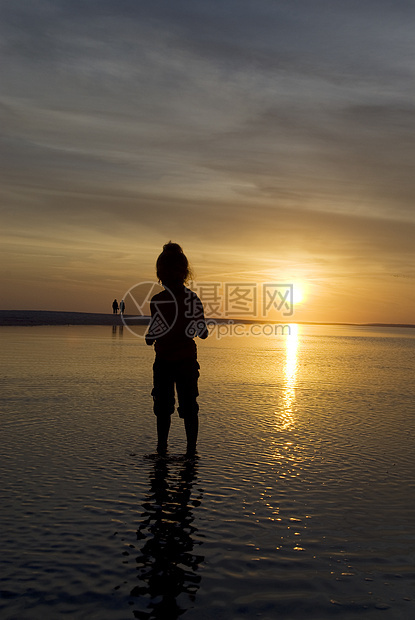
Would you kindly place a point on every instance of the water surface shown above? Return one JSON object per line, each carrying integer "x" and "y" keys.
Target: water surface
{"x": 300, "y": 505}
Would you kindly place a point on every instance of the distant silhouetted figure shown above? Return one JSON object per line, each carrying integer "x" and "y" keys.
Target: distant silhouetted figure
{"x": 122, "y": 306}
{"x": 115, "y": 306}
{"x": 177, "y": 316}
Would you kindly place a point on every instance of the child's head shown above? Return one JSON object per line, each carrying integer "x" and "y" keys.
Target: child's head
{"x": 172, "y": 265}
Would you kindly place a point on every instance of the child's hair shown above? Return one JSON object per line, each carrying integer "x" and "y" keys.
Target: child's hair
{"x": 172, "y": 265}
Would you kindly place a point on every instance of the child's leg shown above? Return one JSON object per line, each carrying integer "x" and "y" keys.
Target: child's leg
{"x": 187, "y": 375}
{"x": 163, "y": 427}
{"x": 163, "y": 398}
{"x": 191, "y": 424}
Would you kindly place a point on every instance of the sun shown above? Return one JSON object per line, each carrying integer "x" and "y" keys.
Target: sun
{"x": 298, "y": 293}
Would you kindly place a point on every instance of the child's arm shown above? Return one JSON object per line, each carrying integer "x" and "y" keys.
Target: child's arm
{"x": 204, "y": 333}
{"x": 202, "y": 330}
{"x": 196, "y": 323}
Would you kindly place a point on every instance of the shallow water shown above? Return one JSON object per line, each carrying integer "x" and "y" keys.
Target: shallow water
{"x": 301, "y": 503}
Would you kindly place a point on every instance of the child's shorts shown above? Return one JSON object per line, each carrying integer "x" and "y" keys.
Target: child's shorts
{"x": 184, "y": 375}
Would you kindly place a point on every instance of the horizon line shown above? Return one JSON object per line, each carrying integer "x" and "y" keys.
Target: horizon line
{"x": 42, "y": 317}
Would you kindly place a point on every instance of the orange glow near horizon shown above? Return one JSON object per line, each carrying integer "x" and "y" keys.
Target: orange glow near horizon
{"x": 86, "y": 278}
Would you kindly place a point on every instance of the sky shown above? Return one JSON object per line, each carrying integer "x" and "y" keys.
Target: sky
{"x": 273, "y": 139}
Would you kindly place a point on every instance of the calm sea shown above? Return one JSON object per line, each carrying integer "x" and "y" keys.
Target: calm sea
{"x": 300, "y": 505}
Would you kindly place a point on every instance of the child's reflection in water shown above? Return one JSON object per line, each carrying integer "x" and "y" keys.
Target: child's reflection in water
{"x": 167, "y": 566}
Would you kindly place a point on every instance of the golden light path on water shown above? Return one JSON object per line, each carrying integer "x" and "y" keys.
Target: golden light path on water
{"x": 287, "y": 420}
{"x": 286, "y": 450}
{"x": 287, "y": 454}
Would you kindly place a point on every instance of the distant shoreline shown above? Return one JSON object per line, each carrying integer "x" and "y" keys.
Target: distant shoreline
{"x": 27, "y": 318}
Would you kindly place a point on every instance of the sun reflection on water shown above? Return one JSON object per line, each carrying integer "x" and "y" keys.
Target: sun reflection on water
{"x": 288, "y": 453}
{"x": 286, "y": 412}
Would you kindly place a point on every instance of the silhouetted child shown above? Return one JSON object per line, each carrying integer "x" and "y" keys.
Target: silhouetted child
{"x": 176, "y": 318}
{"x": 115, "y": 306}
